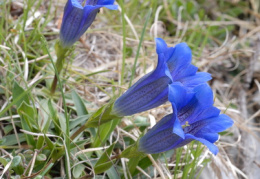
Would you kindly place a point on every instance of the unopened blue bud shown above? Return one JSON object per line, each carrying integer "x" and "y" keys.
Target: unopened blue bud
{"x": 78, "y": 16}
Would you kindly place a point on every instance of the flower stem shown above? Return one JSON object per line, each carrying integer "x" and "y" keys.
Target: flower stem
{"x": 61, "y": 54}
{"x": 59, "y": 65}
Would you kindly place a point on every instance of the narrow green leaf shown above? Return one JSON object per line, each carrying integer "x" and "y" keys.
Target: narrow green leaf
{"x": 63, "y": 124}
{"x": 104, "y": 132}
{"x": 132, "y": 164}
{"x": 78, "y": 143}
{"x": 18, "y": 98}
{"x": 49, "y": 143}
{"x": 78, "y": 121}
{"x": 10, "y": 140}
{"x": 44, "y": 120}
{"x": 103, "y": 166}
{"x": 104, "y": 162}
{"x": 145, "y": 163}
{"x": 27, "y": 120}
{"x": 78, "y": 170}
{"x": 7, "y": 129}
{"x": 54, "y": 117}
{"x": 112, "y": 173}
{"x": 17, "y": 92}
{"x": 40, "y": 142}
{"x": 139, "y": 46}
{"x": 28, "y": 114}
{"x": 80, "y": 106}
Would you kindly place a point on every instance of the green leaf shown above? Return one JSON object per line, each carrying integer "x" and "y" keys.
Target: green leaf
{"x": 54, "y": 117}
{"x": 104, "y": 132}
{"x": 78, "y": 121}
{"x": 18, "y": 95}
{"x": 44, "y": 120}
{"x": 41, "y": 157}
{"x": 190, "y": 7}
{"x": 16, "y": 161}
{"x": 104, "y": 162}
{"x": 2, "y": 141}
{"x": 7, "y": 129}
{"x": 49, "y": 142}
{"x": 78, "y": 143}
{"x": 101, "y": 116}
{"x": 112, "y": 173}
{"x": 27, "y": 119}
{"x": 62, "y": 122}
{"x": 17, "y": 165}
{"x": 28, "y": 113}
{"x": 145, "y": 163}
{"x": 11, "y": 139}
{"x": 78, "y": 170}
{"x": 132, "y": 164}
{"x": 3, "y": 161}
{"x": 80, "y": 106}
{"x": 40, "y": 142}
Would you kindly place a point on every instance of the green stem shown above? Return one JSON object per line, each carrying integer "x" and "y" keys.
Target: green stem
{"x": 102, "y": 116}
{"x": 61, "y": 54}
{"x": 54, "y": 84}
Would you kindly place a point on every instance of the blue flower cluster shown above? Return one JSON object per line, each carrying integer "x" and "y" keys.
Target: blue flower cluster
{"x": 175, "y": 79}
{"x": 174, "y": 65}
{"x": 78, "y": 16}
{"x": 194, "y": 118}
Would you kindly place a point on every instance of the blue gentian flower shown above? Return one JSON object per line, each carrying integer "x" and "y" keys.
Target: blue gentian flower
{"x": 174, "y": 65}
{"x": 78, "y": 17}
{"x": 198, "y": 120}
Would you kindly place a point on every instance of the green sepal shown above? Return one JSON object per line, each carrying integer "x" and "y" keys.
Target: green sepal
{"x": 61, "y": 53}
{"x": 102, "y": 116}
{"x": 132, "y": 152}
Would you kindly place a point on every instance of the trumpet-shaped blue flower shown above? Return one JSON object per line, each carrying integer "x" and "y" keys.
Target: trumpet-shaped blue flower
{"x": 197, "y": 118}
{"x": 78, "y": 17}
{"x": 174, "y": 65}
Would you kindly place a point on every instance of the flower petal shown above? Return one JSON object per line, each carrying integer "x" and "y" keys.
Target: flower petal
{"x": 105, "y": 2}
{"x": 148, "y": 92}
{"x": 179, "y": 95}
{"x": 180, "y": 58}
{"x": 186, "y": 71}
{"x": 161, "y": 45}
{"x": 202, "y": 100}
{"x": 160, "y": 138}
{"x": 76, "y": 3}
{"x": 213, "y": 148}
{"x": 195, "y": 80}
{"x": 71, "y": 23}
{"x": 207, "y": 113}
{"x": 216, "y": 124}
{"x": 211, "y": 137}
{"x": 177, "y": 129}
